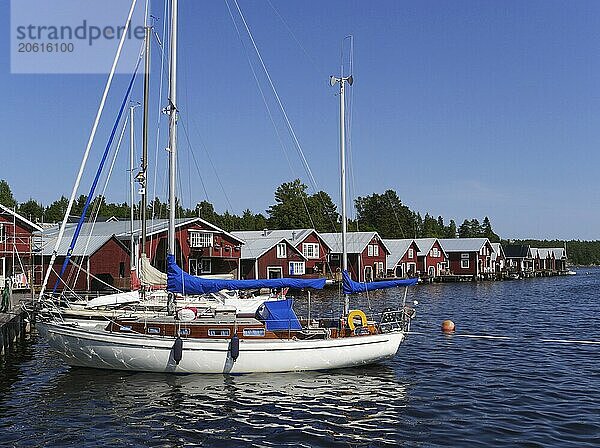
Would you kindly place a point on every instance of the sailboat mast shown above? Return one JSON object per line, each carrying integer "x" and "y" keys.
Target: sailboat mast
{"x": 131, "y": 187}
{"x": 172, "y": 110}
{"x": 342, "y": 80}
{"x": 144, "y": 168}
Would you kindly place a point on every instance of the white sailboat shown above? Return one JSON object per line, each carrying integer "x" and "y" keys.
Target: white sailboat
{"x": 274, "y": 340}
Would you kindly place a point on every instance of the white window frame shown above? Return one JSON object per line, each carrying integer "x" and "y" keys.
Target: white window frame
{"x": 370, "y": 250}
{"x": 193, "y": 262}
{"x": 298, "y": 268}
{"x": 201, "y": 239}
{"x": 375, "y": 250}
{"x": 435, "y": 252}
{"x": 464, "y": 263}
{"x": 2, "y": 232}
{"x": 411, "y": 253}
{"x": 279, "y": 270}
{"x": 281, "y": 250}
{"x": 380, "y": 268}
{"x": 310, "y": 250}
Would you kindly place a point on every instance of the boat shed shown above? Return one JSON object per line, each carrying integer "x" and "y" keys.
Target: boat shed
{"x": 367, "y": 254}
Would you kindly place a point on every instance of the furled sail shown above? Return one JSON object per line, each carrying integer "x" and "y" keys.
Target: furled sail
{"x": 149, "y": 275}
{"x": 352, "y": 287}
{"x": 181, "y": 282}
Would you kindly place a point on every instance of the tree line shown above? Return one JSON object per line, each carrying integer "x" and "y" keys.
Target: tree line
{"x": 295, "y": 208}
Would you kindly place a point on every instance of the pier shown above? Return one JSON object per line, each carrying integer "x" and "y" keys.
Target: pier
{"x": 14, "y": 323}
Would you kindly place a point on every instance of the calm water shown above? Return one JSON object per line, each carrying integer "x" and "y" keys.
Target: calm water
{"x": 438, "y": 391}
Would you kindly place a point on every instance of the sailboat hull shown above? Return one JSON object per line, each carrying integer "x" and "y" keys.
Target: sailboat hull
{"x": 92, "y": 347}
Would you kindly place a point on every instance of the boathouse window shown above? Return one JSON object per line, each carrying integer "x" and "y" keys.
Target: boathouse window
{"x": 435, "y": 252}
{"x": 254, "y": 332}
{"x": 310, "y": 250}
{"x": 205, "y": 266}
{"x": 281, "y": 250}
{"x": 122, "y": 269}
{"x": 202, "y": 266}
{"x": 411, "y": 253}
{"x": 296, "y": 268}
{"x": 373, "y": 250}
{"x": 201, "y": 239}
{"x": 2, "y": 234}
{"x": 370, "y": 250}
{"x": 464, "y": 264}
{"x": 218, "y": 332}
{"x": 153, "y": 330}
{"x": 184, "y": 332}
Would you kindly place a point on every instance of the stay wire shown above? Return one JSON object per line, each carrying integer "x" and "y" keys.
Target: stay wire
{"x": 262, "y": 94}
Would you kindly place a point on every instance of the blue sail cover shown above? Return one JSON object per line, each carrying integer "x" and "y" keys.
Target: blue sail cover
{"x": 279, "y": 315}
{"x": 352, "y": 287}
{"x": 181, "y": 282}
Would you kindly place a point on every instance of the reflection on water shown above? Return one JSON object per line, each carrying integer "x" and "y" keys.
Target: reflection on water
{"x": 438, "y": 391}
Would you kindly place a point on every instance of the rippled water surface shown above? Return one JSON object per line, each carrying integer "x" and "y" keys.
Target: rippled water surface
{"x": 527, "y": 390}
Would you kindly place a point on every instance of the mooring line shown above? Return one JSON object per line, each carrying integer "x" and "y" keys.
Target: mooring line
{"x": 508, "y": 338}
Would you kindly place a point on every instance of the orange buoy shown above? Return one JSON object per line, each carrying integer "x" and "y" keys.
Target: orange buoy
{"x": 448, "y": 326}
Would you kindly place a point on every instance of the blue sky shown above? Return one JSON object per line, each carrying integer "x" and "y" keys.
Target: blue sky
{"x": 465, "y": 108}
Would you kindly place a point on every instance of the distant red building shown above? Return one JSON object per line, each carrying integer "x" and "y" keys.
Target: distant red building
{"x": 367, "y": 254}
{"x": 15, "y": 248}
{"x": 433, "y": 260}
{"x": 403, "y": 258}
{"x": 469, "y": 256}
{"x": 283, "y": 253}
{"x": 101, "y": 256}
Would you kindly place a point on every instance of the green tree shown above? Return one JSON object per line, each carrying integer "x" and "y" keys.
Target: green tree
{"x": 488, "y": 232}
{"x": 32, "y": 210}
{"x": 290, "y": 209}
{"x": 323, "y": 212}
{"x": 6, "y": 197}
{"x": 385, "y": 214}
{"x": 55, "y": 212}
{"x": 451, "y": 230}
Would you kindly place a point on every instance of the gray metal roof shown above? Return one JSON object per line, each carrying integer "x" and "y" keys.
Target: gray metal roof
{"x": 425, "y": 245}
{"x": 397, "y": 250}
{"x": 256, "y": 247}
{"x": 544, "y": 253}
{"x": 497, "y": 250}
{"x": 559, "y": 252}
{"x": 355, "y": 241}
{"x": 101, "y": 232}
{"x": 294, "y": 236}
{"x": 462, "y": 244}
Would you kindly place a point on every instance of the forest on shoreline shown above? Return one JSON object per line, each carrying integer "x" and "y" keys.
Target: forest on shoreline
{"x": 295, "y": 208}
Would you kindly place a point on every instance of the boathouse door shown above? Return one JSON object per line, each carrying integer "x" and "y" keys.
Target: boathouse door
{"x": 368, "y": 274}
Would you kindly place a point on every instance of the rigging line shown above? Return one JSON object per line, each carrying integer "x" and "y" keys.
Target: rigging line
{"x": 321, "y": 73}
{"x": 187, "y": 137}
{"x": 98, "y": 173}
{"x": 102, "y": 195}
{"x": 210, "y": 160}
{"x": 88, "y": 149}
{"x": 262, "y": 94}
{"x": 287, "y": 120}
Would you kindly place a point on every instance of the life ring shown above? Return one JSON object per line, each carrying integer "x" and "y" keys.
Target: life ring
{"x": 356, "y": 313}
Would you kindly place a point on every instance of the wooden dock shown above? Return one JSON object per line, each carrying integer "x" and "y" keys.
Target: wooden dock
{"x": 13, "y": 323}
